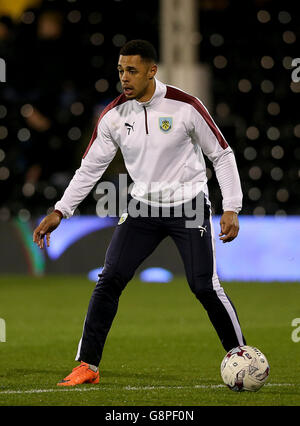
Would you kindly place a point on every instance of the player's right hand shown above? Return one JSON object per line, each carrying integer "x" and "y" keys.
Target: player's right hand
{"x": 47, "y": 225}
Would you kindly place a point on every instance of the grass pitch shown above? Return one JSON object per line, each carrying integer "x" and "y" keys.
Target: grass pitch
{"x": 161, "y": 351}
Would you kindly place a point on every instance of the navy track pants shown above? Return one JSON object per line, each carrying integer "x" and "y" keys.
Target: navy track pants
{"x": 132, "y": 242}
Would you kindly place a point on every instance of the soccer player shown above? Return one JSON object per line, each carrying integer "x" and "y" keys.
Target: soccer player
{"x": 162, "y": 133}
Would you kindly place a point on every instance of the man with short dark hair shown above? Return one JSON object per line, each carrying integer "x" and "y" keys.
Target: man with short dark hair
{"x": 162, "y": 133}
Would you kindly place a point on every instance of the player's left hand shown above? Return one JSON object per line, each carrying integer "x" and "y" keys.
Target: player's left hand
{"x": 229, "y": 226}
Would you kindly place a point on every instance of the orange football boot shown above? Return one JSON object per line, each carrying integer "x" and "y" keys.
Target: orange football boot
{"x": 81, "y": 374}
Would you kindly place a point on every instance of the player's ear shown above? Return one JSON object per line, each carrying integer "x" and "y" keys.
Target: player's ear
{"x": 152, "y": 71}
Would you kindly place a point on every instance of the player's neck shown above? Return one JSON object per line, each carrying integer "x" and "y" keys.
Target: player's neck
{"x": 148, "y": 95}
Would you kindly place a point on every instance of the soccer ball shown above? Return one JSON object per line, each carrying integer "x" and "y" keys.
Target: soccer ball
{"x": 245, "y": 368}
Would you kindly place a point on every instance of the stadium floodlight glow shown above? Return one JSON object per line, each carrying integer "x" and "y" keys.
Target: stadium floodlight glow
{"x": 74, "y": 229}
{"x": 267, "y": 249}
{"x": 156, "y": 275}
{"x": 94, "y": 274}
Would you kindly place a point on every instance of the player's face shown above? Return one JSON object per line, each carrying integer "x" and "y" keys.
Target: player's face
{"x": 137, "y": 77}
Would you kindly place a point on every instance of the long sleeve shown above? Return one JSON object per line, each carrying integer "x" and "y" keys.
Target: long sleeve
{"x": 213, "y": 144}
{"x": 229, "y": 181}
{"x": 100, "y": 153}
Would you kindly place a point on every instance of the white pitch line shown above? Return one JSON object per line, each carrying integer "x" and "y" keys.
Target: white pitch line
{"x": 12, "y": 392}
{"x": 126, "y": 388}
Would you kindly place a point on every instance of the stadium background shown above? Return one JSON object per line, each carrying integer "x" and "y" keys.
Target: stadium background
{"x": 61, "y": 72}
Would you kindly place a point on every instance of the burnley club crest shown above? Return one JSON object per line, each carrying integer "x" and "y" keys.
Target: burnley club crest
{"x": 165, "y": 124}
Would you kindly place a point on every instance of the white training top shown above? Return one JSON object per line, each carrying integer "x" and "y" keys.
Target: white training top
{"x": 162, "y": 142}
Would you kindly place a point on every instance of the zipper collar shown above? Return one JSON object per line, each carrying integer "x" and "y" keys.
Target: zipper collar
{"x": 159, "y": 94}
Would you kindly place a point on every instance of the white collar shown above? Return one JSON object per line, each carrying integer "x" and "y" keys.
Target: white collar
{"x": 159, "y": 93}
